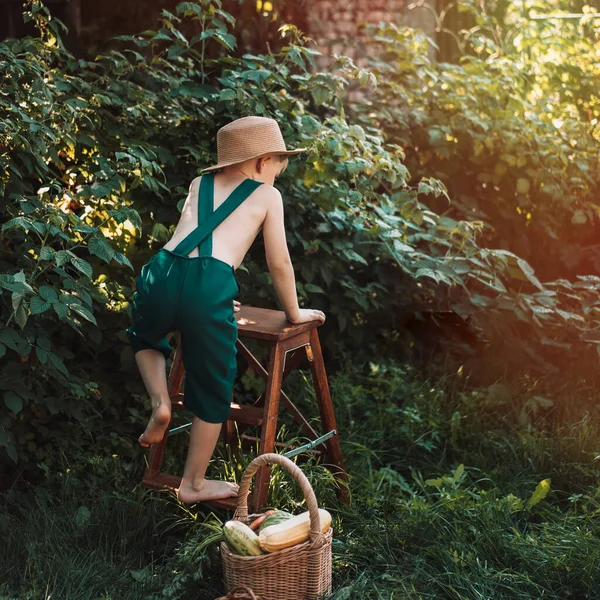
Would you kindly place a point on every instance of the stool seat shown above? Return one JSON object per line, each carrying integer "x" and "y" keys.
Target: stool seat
{"x": 273, "y": 328}
{"x": 266, "y": 324}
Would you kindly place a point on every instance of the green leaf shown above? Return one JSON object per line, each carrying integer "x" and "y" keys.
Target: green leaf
{"x": 354, "y": 256}
{"x": 320, "y": 94}
{"x": 42, "y": 355}
{"x": 21, "y": 222}
{"x": 227, "y": 94}
{"x": 459, "y": 471}
{"x": 188, "y": 7}
{"x": 82, "y": 516}
{"x": 310, "y": 287}
{"x": 62, "y": 258}
{"x": 11, "y": 338}
{"x": 101, "y": 190}
{"x": 11, "y": 450}
{"x": 101, "y": 248}
{"x": 225, "y": 39}
{"x": 83, "y": 266}
{"x": 434, "y": 482}
{"x": 61, "y": 309}
{"x": 424, "y": 188}
{"x": 529, "y": 273}
{"x": 85, "y": 313}
{"x": 123, "y": 260}
{"x": 70, "y": 300}
{"x": 6, "y": 281}
{"x": 58, "y": 363}
{"x": 175, "y": 51}
{"x": 47, "y": 293}
{"x": 47, "y": 253}
{"x": 21, "y": 314}
{"x": 296, "y": 57}
{"x": 13, "y": 402}
{"x": 38, "y": 305}
{"x": 20, "y": 278}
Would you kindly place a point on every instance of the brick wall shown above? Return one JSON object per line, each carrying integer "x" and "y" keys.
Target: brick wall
{"x": 334, "y": 23}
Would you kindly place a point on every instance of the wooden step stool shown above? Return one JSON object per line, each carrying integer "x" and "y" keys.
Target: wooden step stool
{"x": 284, "y": 337}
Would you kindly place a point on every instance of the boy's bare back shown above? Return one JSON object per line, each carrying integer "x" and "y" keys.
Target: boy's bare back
{"x": 235, "y": 235}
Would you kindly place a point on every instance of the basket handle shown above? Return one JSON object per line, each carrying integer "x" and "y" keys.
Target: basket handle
{"x": 244, "y": 589}
{"x": 270, "y": 458}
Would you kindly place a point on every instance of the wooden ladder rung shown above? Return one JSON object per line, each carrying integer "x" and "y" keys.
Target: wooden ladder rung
{"x": 160, "y": 481}
{"x": 248, "y": 415}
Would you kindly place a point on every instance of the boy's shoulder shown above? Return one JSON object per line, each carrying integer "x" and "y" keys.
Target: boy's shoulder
{"x": 267, "y": 190}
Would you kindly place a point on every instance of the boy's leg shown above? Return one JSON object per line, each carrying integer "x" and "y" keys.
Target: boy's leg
{"x": 194, "y": 487}
{"x": 152, "y": 366}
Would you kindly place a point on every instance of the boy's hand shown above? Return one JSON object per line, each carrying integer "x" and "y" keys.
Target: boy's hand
{"x": 308, "y": 314}
{"x": 236, "y": 305}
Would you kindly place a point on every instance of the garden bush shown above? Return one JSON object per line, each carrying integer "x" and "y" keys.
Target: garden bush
{"x": 512, "y": 132}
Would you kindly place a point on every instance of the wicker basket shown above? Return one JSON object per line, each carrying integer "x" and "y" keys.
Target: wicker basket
{"x": 300, "y": 572}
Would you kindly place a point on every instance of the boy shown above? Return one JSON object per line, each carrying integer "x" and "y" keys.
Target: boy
{"x": 190, "y": 285}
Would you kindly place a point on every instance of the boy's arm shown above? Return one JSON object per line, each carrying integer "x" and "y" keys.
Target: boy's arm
{"x": 278, "y": 258}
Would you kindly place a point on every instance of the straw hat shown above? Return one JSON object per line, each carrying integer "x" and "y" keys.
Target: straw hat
{"x": 246, "y": 138}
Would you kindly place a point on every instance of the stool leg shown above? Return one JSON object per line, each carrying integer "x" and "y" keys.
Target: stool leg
{"x": 269, "y": 426}
{"x": 334, "y": 451}
{"x": 230, "y": 436}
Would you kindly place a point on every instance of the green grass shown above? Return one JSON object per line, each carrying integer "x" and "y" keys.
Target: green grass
{"x": 443, "y": 482}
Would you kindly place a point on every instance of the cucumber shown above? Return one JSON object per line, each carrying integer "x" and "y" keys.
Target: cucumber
{"x": 280, "y": 516}
{"x": 241, "y": 539}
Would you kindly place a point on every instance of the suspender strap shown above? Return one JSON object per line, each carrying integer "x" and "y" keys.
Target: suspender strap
{"x": 206, "y": 203}
{"x": 215, "y": 218}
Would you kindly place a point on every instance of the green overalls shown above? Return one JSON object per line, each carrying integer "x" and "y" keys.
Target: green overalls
{"x": 194, "y": 295}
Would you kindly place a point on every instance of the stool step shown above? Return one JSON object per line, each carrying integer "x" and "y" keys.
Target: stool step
{"x": 248, "y": 415}
{"x": 162, "y": 481}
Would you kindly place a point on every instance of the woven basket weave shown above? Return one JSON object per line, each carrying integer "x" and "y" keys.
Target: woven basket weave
{"x": 300, "y": 572}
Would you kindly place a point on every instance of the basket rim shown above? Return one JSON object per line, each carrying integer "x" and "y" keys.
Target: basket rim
{"x": 306, "y": 545}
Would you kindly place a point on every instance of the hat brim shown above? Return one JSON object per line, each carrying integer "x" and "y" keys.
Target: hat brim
{"x": 235, "y": 162}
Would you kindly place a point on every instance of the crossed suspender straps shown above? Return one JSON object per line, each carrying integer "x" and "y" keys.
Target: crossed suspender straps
{"x": 214, "y": 219}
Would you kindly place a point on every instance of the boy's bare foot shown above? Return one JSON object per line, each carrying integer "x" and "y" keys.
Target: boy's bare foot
{"x": 209, "y": 489}
{"x": 159, "y": 421}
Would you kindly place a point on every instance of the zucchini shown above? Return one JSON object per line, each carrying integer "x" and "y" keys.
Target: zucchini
{"x": 241, "y": 539}
{"x": 280, "y": 516}
{"x": 291, "y": 532}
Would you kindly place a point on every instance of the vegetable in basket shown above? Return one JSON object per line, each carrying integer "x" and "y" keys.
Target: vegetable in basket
{"x": 291, "y": 531}
{"x": 279, "y": 516}
{"x": 241, "y": 539}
